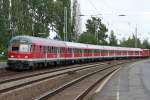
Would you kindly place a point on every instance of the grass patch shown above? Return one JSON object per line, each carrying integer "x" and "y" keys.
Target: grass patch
{"x": 3, "y": 58}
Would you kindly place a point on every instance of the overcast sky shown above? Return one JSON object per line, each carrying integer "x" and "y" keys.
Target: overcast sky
{"x": 137, "y": 13}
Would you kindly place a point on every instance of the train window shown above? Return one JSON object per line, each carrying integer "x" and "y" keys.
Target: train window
{"x": 45, "y": 49}
{"x": 15, "y": 48}
{"x": 76, "y": 50}
{"x": 90, "y": 51}
{"x": 73, "y": 50}
{"x": 81, "y": 51}
{"x": 48, "y": 50}
{"x": 31, "y": 48}
{"x": 40, "y": 48}
{"x": 63, "y": 50}
{"x": 24, "y": 48}
{"x": 97, "y": 51}
{"x": 52, "y": 50}
{"x": 69, "y": 50}
{"x": 103, "y": 51}
{"x": 34, "y": 48}
{"x": 60, "y": 50}
{"x": 86, "y": 51}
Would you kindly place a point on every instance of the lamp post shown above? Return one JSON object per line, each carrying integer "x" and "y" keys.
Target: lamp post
{"x": 136, "y": 36}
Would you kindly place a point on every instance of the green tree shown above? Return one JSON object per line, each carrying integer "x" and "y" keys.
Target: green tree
{"x": 145, "y": 44}
{"x": 4, "y": 24}
{"x": 54, "y": 15}
{"x": 29, "y": 17}
{"x": 112, "y": 39}
{"x": 87, "y": 38}
{"x": 130, "y": 42}
{"x": 21, "y": 21}
{"x": 98, "y": 29}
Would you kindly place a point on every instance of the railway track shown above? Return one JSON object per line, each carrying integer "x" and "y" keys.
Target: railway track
{"x": 4, "y": 72}
{"x": 5, "y": 75}
{"x": 13, "y": 84}
{"x": 60, "y": 91}
{"x": 8, "y": 84}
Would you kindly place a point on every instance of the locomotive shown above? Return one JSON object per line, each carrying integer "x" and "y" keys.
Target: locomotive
{"x": 28, "y": 52}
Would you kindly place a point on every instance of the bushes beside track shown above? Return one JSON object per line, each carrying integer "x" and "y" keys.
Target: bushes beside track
{"x": 3, "y": 58}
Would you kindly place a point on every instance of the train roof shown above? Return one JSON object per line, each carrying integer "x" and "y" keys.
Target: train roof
{"x": 76, "y": 45}
{"x": 56, "y": 43}
{"x": 39, "y": 41}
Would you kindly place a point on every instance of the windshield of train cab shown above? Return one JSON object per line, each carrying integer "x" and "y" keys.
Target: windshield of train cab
{"x": 20, "y": 46}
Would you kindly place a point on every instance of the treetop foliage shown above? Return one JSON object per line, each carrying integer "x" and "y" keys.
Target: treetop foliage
{"x": 95, "y": 27}
{"x": 30, "y": 17}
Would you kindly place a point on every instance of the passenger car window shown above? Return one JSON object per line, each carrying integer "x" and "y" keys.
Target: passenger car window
{"x": 24, "y": 48}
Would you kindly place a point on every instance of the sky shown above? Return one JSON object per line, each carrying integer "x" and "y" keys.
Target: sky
{"x": 137, "y": 14}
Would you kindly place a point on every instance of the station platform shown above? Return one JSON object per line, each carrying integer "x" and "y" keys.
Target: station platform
{"x": 132, "y": 82}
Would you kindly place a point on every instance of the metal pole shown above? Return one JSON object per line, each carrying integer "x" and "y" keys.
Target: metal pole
{"x": 96, "y": 34}
{"x": 95, "y": 30}
{"x": 136, "y": 36}
{"x": 10, "y": 17}
{"x": 65, "y": 23}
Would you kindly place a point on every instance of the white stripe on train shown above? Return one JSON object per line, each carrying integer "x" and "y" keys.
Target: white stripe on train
{"x": 53, "y": 59}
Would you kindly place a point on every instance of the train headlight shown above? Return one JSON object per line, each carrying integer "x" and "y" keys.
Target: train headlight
{"x": 12, "y": 56}
{"x": 26, "y": 57}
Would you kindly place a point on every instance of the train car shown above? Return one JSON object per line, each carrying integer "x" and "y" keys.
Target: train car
{"x": 27, "y": 52}
{"x": 145, "y": 53}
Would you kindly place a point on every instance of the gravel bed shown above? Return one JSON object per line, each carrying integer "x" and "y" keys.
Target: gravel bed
{"x": 72, "y": 92}
{"x": 36, "y": 89}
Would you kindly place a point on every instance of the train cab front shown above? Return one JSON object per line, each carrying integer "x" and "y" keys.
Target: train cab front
{"x": 19, "y": 53}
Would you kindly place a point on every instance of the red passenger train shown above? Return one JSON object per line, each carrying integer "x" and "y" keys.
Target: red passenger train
{"x": 31, "y": 52}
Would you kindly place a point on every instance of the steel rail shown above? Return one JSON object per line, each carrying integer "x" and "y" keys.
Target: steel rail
{"x": 27, "y": 75}
{"x": 44, "y": 78}
{"x": 84, "y": 93}
{"x": 59, "y": 89}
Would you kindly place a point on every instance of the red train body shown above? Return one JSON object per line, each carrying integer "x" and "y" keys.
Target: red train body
{"x": 30, "y": 52}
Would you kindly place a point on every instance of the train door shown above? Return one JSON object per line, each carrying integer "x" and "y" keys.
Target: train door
{"x": 58, "y": 53}
{"x": 45, "y": 51}
{"x": 34, "y": 51}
